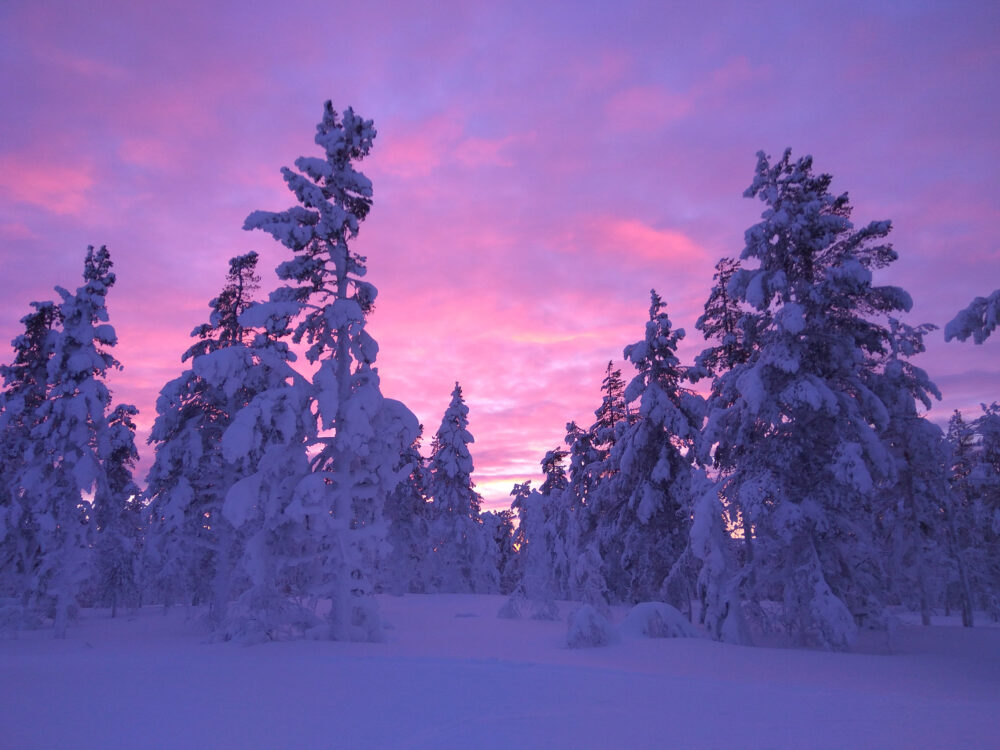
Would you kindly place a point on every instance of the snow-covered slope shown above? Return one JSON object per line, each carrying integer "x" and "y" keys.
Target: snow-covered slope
{"x": 453, "y": 675}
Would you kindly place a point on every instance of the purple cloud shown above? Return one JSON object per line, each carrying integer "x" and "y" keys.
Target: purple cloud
{"x": 538, "y": 168}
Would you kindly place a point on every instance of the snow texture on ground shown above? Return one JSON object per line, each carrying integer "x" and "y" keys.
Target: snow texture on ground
{"x": 453, "y": 675}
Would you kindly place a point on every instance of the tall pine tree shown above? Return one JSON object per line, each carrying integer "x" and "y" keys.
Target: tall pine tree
{"x": 192, "y": 546}
{"x": 25, "y": 391}
{"x": 355, "y": 438}
{"x": 795, "y": 428}
{"x": 654, "y": 476}
{"x": 461, "y": 562}
{"x": 65, "y": 465}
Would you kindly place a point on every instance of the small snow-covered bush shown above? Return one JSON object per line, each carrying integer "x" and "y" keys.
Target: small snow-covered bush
{"x": 510, "y": 609}
{"x": 657, "y": 620}
{"x": 11, "y": 616}
{"x": 588, "y": 628}
{"x": 545, "y": 610}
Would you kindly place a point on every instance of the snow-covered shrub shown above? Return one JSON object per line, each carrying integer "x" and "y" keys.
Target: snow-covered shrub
{"x": 545, "y": 610}
{"x": 657, "y": 620}
{"x": 588, "y": 628}
{"x": 14, "y": 617}
{"x": 511, "y": 609}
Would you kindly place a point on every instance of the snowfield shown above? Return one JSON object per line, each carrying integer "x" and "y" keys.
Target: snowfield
{"x": 453, "y": 675}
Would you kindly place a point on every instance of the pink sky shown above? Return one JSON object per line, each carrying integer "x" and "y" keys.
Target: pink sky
{"x": 538, "y": 168}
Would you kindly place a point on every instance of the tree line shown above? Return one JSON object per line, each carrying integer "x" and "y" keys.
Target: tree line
{"x": 804, "y": 495}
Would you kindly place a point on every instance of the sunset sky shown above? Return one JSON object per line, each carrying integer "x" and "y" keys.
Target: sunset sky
{"x": 538, "y": 168}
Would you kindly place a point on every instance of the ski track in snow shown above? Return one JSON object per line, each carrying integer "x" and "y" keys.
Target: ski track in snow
{"x": 453, "y": 675}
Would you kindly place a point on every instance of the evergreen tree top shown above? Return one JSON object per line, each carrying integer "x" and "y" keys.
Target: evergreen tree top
{"x": 806, "y": 238}
{"x": 655, "y": 356}
{"x": 326, "y": 291}
{"x": 224, "y": 327}
{"x": 723, "y": 322}
{"x": 335, "y": 197}
{"x": 520, "y": 492}
{"x": 31, "y": 348}
{"x": 450, "y": 453}
{"x": 613, "y": 408}
{"x": 97, "y": 270}
{"x": 451, "y": 462}
{"x": 554, "y": 471}
{"x": 813, "y": 288}
{"x": 78, "y": 352}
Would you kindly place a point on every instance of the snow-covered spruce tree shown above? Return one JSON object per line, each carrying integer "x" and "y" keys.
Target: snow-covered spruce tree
{"x": 913, "y": 504}
{"x": 25, "y": 391}
{"x": 582, "y": 512}
{"x": 404, "y": 566}
{"x": 460, "y": 561}
{"x": 355, "y": 437}
{"x": 961, "y": 457}
{"x": 591, "y": 495}
{"x": 281, "y": 566}
{"x": 655, "y": 482}
{"x": 69, "y": 444}
{"x": 552, "y": 560}
{"x": 722, "y": 324}
{"x": 795, "y": 428}
{"x": 585, "y": 460}
{"x": 563, "y": 521}
{"x": 191, "y": 547}
{"x": 580, "y": 500}
{"x": 514, "y": 605}
{"x": 975, "y": 480}
{"x": 987, "y": 477}
{"x": 572, "y": 518}
{"x": 978, "y": 320}
{"x": 975, "y": 521}
{"x": 499, "y": 526}
{"x": 718, "y": 557}
{"x": 537, "y": 590}
{"x": 118, "y": 513}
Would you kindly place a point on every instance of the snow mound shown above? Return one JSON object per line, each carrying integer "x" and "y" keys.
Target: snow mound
{"x": 657, "y": 620}
{"x": 588, "y": 628}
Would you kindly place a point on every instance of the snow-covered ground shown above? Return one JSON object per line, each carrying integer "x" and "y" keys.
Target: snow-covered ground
{"x": 453, "y": 675}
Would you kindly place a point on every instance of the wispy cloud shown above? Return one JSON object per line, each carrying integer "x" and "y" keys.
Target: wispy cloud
{"x": 536, "y": 172}
{"x": 54, "y": 187}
